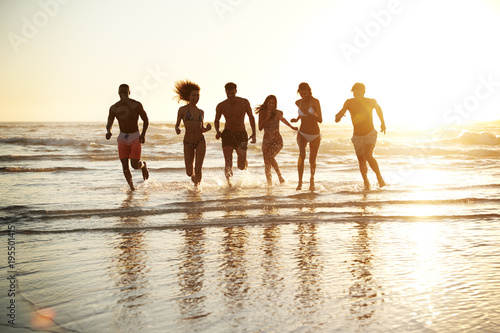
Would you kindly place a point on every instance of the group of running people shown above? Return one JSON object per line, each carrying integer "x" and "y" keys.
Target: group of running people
{"x": 235, "y": 137}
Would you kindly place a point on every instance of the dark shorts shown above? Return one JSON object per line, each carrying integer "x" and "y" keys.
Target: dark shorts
{"x": 234, "y": 139}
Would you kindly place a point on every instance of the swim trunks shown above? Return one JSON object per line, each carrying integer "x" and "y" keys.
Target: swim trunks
{"x": 234, "y": 139}
{"x": 360, "y": 142}
{"x": 129, "y": 145}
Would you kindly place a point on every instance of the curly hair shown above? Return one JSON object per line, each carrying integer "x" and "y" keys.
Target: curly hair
{"x": 183, "y": 89}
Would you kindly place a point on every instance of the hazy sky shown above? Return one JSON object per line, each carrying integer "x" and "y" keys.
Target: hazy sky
{"x": 425, "y": 61}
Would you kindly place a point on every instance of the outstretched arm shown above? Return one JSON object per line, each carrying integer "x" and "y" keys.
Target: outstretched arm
{"x": 178, "y": 122}
{"x": 318, "y": 116}
{"x": 218, "y": 114}
{"x": 252, "y": 122}
{"x": 380, "y": 115}
{"x": 284, "y": 121}
{"x": 145, "y": 124}
{"x": 111, "y": 119}
{"x": 341, "y": 113}
{"x": 205, "y": 128}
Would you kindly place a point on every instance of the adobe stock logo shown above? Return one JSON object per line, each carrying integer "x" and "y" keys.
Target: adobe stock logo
{"x": 152, "y": 80}
{"x": 471, "y": 103}
{"x": 30, "y": 28}
{"x": 363, "y": 37}
{"x": 224, "y": 6}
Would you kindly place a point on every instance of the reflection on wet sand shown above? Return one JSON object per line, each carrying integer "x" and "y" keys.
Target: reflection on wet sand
{"x": 364, "y": 293}
{"x": 272, "y": 278}
{"x": 309, "y": 273}
{"x": 191, "y": 275}
{"x": 130, "y": 271}
{"x": 234, "y": 268}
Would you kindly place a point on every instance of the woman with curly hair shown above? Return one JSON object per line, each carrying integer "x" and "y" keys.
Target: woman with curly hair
{"x": 192, "y": 117}
{"x": 272, "y": 142}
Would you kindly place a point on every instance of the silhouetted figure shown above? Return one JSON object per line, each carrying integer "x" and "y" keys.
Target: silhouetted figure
{"x": 310, "y": 117}
{"x": 128, "y": 111}
{"x": 192, "y": 117}
{"x": 234, "y": 136}
{"x": 365, "y": 136}
{"x": 272, "y": 142}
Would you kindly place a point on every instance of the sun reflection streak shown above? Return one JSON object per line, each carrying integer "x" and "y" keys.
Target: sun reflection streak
{"x": 426, "y": 274}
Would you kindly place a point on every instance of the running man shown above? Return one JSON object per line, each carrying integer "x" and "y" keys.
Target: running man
{"x": 128, "y": 111}
{"x": 365, "y": 135}
{"x": 234, "y": 136}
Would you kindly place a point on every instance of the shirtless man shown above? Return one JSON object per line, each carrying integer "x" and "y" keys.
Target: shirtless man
{"x": 234, "y": 136}
{"x": 365, "y": 135}
{"x": 128, "y": 111}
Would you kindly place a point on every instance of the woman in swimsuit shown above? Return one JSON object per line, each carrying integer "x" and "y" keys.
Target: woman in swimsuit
{"x": 272, "y": 142}
{"x": 194, "y": 141}
{"x": 310, "y": 116}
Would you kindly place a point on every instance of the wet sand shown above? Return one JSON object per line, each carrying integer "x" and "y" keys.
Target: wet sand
{"x": 411, "y": 276}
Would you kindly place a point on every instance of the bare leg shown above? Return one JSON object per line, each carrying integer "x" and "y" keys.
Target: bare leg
{"x": 188, "y": 159}
{"x": 127, "y": 173}
{"x": 137, "y": 164}
{"x": 313, "y": 153}
{"x": 368, "y": 155}
{"x": 200, "y": 157}
{"x": 276, "y": 149}
{"x": 302, "y": 156}
{"x": 228, "y": 159}
{"x": 242, "y": 158}
{"x": 270, "y": 152}
{"x": 266, "y": 153}
{"x": 364, "y": 170}
{"x": 267, "y": 170}
{"x": 276, "y": 168}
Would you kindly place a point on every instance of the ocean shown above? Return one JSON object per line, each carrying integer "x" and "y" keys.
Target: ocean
{"x": 419, "y": 255}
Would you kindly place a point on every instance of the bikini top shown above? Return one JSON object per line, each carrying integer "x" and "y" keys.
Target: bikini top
{"x": 311, "y": 110}
{"x": 190, "y": 117}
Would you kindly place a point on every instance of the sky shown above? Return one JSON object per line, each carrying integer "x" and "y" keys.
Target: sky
{"x": 426, "y": 62}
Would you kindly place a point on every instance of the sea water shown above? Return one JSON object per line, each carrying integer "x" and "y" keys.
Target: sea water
{"x": 420, "y": 254}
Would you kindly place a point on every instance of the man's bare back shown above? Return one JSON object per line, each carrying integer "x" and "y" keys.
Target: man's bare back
{"x": 127, "y": 112}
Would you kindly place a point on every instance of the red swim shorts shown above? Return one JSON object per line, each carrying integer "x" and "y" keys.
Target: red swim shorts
{"x": 129, "y": 145}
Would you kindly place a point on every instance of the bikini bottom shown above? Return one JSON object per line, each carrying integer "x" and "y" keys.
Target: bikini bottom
{"x": 194, "y": 145}
{"x": 310, "y": 137}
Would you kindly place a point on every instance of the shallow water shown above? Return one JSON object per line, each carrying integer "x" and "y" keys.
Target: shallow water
{"x": 420, "y": 255}
{"x": 401, "y": 276}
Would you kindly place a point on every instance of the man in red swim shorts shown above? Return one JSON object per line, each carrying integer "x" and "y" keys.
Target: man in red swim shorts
{"x": 128, "y": 111}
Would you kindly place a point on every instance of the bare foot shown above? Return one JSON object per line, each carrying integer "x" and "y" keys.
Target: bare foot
{"x": 311, "y": 185}
{"x": 282, "y": 180}
{"x": 381, "y": 182}
{"x": 195, "y": 180}
{"x": 367, "y": 186}
{"x": 299, "y": 187}
{"x": 145, "y": 171}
